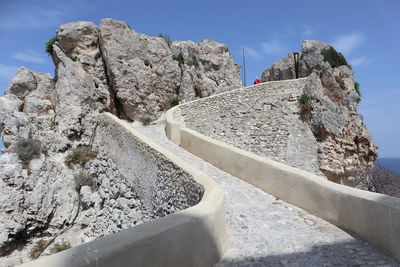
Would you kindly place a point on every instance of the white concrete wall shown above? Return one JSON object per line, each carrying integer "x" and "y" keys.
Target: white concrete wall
{"x": 192, "y": 237}
{"x": 374, "y": 217}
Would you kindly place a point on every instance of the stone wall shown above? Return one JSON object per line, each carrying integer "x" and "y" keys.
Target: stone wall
{"x": 161, "y": 185}
{"x": 263, "y": 119}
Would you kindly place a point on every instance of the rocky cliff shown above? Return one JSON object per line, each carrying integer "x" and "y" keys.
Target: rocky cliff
{"x": 329, "y": 106}
{"x": 309, "y": 123}
{"x": 107, "y": 68}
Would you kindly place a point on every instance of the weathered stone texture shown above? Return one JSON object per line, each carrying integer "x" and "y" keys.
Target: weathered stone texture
{"x": 144, "y": 75}
{"x": 329, "y": 138}
{"x": 263, "y": 119}
{"x": 344, "y": 143}
{"x": 94, "y": 68}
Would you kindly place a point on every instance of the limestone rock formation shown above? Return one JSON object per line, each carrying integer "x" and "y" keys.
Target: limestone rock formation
{"x": 145, "y": 72}
{"x": 344, "y": 143}
{"x": 97, "y": 69}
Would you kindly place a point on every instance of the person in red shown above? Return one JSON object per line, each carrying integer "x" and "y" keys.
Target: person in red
{"x": 257, "y": 81}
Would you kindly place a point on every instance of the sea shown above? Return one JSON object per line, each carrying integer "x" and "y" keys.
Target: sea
{"x": 390, "y": 163}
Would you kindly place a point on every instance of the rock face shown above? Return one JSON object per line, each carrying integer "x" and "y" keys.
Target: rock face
{"x": 344, "y": 143}
{"x": 98, "y": 69}
{"x": 145, "y": 72}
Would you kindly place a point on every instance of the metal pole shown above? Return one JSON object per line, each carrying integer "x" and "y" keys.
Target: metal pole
{"x": 244, "y": 70}
{"x": 296, "y": 64}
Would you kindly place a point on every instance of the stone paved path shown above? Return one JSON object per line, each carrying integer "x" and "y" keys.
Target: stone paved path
{"x": 265, "y": 231}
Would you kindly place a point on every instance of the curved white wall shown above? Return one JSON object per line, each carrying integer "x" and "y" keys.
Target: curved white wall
{"x": 374, "y": 217}
{"x": 192, "y": 237}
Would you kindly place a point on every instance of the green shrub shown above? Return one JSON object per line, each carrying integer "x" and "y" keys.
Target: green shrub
{"x": 357, "y": 87}
{"x": 172, "y": 102}
{"x": 84, "y": 179}
{"x": 80, "y": 155}
{"x": 166, "y": 38}
{"x": 145, "y": 120}
{"x": 73, "y": 58}
{"x": 192, "y": 62}
{"x": 97, "y": 56}
{"x": 28, "y": 149}
{"x": 49, "y": 45}
{"x": 179, "y": 58}
{"x": 304, "y": 102}
{"x": 60, "y": 247}
{"x": 334, "y": 58}
{"x": 38, "y": 248}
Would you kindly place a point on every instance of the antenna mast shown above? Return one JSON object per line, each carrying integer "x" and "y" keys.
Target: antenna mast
{"x": 244, "y": 69}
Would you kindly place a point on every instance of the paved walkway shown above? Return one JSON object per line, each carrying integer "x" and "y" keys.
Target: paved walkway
{"x": 265, "y": 231}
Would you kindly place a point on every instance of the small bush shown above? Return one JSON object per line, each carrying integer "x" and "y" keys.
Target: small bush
{"x": 304, "y": 100}
{"x": 97, "y": 56}
{"x": 38, "y": 248}
{"x": 172, "y": 102}
{"x": 28, "y": 149}
{"x": 166, "y": 38}
{"x": 376, "y": 179}
{"x": 179, "y": 58}
{"x": 305, "y": 106}
{"x": 60, "y": 247}
{"x": 192, "y": 62}
{"x": 357, "y": 88}
{"x": 84, "y": 179}
{"x": 145, "y": 120}
{"x": 73, "y": 58}
{"x": 49, "y": 45}
{"x": 334, "y": 58}
{"x": 80, "y": 155}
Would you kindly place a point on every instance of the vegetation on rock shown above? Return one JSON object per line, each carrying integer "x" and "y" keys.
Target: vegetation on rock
{"x": 73, "y": 58}
{"x": 334, "y": 58}
{"x": 304, "y": 103}
{"x": 60, "y": 247}
{"x": 166, "y": 38}
{"x": 97, "y": 56}
{"x": 357, "y": 88}
{"x": 145, "y": 120}
{"x": 80, "y": 155}
{"x": 179, "y": 58}
{"x": 192, "y": 62}
{"x": 49, "y": 45}
{"x": 172, "y": 102}
{"x": 38, "y": 248}
{"x": 84, "y": 179}
{"x": 377, "y": 179}
{"x": 28, "y": 149}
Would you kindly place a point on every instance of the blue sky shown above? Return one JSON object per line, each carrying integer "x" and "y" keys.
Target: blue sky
{"x": 367, "y": 32}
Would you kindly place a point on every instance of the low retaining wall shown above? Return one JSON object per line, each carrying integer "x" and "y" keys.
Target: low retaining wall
{"x": 374, "y": 217}
{"x": 195, "y": 236}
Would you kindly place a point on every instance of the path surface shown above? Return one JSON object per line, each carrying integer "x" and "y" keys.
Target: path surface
{"x": 265, "y": 231}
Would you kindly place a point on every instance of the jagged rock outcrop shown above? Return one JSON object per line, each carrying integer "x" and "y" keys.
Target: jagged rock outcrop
{"x": 344, "y": 143}
{"x": 144, "y": 74}
{"x": 108, "y": 68}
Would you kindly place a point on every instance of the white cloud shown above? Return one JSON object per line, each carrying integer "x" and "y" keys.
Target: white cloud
{"x": 7, "y": 71}
{"x": 360, "y": 61}
{"x": 346, "y": 43}
{"x": 273, "y": 47}
{"x": 29, "y": 56}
